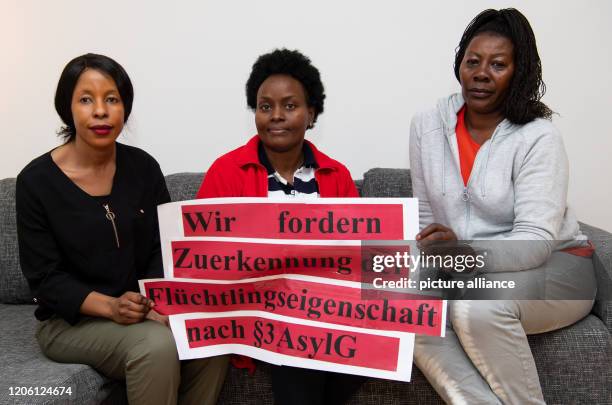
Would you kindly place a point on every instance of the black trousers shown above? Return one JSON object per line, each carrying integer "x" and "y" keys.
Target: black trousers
{"x": 301, "y": 386}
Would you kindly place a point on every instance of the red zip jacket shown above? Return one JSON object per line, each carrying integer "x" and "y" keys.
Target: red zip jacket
{"x": 240, "y": 174}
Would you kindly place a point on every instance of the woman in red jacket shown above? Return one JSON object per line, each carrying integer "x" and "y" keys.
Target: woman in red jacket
{"x": 286, "y": 94}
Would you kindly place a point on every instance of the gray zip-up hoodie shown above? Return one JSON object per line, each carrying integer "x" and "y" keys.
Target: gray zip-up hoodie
{"x": 517, "y": 189}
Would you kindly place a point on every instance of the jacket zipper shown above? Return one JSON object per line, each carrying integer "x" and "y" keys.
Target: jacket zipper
{"x": 466, "y": 198}
{"x": 110, "y": 215}
{"x": 466, "y": 192}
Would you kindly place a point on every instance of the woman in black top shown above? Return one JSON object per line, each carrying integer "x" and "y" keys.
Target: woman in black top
{"x": 87, "y": 228}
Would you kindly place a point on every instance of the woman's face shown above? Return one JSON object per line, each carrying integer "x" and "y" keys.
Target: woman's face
{"x": 282, "y": 115}
{"x": 97, "y": 109}
{"x": 486, "y": 72}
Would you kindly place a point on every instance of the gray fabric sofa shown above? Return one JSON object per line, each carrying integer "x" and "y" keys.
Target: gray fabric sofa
{"x": 574, "y": 363}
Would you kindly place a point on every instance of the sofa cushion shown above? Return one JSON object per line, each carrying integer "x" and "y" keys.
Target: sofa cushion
{"x": 239, "y": 386}
{"x": 184, "y": 186}
{"x": 574, "y": 363}
{"x": 13, "y": 285}
{"x": 417, "y": 392}
{"x": 386, "y": 183}
{"x": 24, "y": 365}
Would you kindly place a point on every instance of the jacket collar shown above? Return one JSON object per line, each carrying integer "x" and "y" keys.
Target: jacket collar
{"x": 249, "y": 155}
{"x": 450, "y": 106}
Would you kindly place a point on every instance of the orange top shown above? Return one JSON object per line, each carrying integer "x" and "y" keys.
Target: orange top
{"x": 468, "y": 148}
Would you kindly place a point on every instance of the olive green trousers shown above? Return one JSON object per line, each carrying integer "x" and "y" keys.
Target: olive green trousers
{"x": 144, "y": 354}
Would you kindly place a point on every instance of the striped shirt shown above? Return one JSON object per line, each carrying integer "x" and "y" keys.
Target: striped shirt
{"x": 304, "y": 182}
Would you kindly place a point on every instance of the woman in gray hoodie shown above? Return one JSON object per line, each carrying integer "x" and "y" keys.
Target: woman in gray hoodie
{"x": 487, "y": 165}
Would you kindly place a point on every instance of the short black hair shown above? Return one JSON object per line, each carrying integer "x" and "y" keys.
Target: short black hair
{"x": 522, "y": 104}
{"x": 68, "y": 80}
{"x": 291, "y": 63}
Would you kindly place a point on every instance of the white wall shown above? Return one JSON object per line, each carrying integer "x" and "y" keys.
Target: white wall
{"x": 380, "y": 62}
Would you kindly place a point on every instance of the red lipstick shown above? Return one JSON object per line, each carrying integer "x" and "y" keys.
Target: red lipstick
{"x": 101, "y": 129}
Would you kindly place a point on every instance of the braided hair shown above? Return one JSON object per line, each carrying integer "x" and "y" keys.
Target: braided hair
{"x": 522, "y": 104}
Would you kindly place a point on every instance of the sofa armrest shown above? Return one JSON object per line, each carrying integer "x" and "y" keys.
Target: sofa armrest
{"x": 602, "y": 261}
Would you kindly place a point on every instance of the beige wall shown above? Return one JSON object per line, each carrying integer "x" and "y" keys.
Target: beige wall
{"x": 381, "y": 62}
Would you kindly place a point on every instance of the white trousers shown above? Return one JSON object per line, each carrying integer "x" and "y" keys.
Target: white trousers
{"x": 485, "y": 356}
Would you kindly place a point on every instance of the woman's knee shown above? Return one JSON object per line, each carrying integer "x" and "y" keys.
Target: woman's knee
{"x": 155, "y": 346}
{"x": 478, "y": 317}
